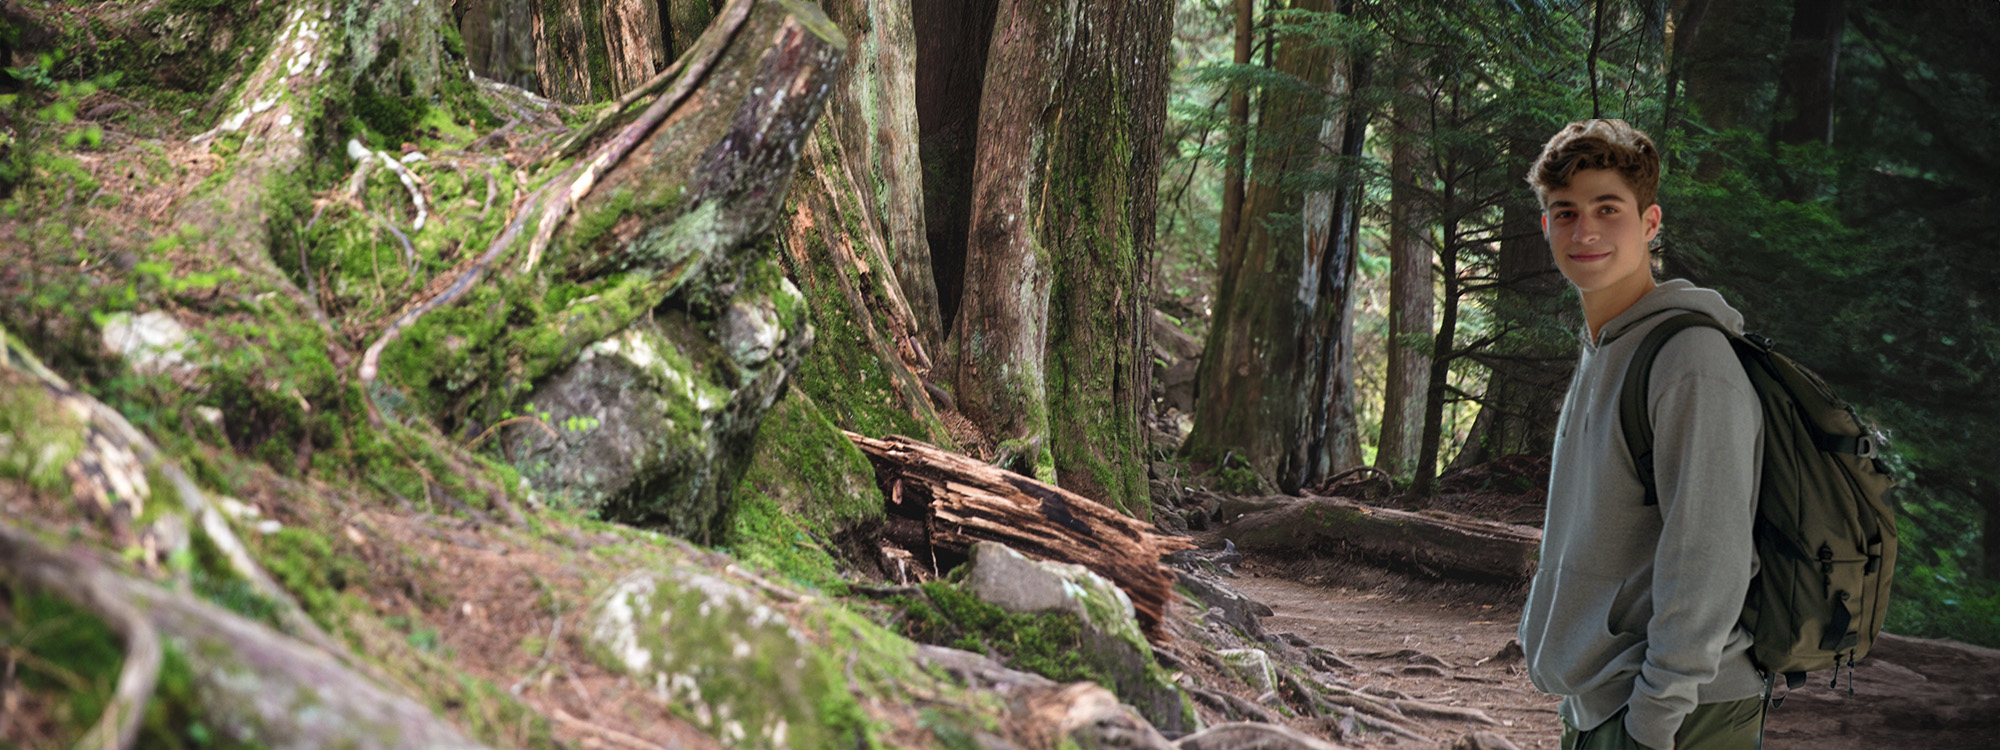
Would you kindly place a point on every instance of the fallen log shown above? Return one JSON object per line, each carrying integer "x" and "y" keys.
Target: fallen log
{"x": 1430, "y": 543}
{"x": 963, "y": 500}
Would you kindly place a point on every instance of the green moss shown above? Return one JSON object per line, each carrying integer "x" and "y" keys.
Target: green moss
{"x": 806, "y": 465}
{"x": 1048, "y": 644}
{"x": 764, "y": 537}
{"x": 38, "y": 438}
{"x": 1239, "y": 481}
{"x": 306, "y": 564}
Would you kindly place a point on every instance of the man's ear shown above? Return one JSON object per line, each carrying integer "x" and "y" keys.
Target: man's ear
{"x": 1545, "y": 225}
{"x": 1652, "y": 221}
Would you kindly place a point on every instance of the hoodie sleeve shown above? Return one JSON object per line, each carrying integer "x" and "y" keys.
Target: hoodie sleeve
{"x": 1707, "y": 454}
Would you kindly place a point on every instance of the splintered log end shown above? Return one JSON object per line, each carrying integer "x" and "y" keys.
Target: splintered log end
{"x": 967, "y": 501}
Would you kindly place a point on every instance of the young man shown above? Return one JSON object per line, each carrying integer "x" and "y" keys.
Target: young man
{"x": 1632, "y": 616}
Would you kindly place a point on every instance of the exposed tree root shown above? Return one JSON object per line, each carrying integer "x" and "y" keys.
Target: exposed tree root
{"x": 249, "y": 677}
{"x": 119, "y": 434}
{"x": 547, "y": 209}
{"x": 79, "y": 581}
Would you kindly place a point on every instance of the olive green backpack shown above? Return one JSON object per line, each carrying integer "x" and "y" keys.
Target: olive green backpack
{"x": 1825, "y": 537}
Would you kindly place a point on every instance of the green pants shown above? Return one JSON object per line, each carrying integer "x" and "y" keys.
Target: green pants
{"x": 1735, "y": 725}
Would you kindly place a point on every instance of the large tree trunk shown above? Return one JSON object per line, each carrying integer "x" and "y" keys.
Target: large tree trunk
{"x": 593, "y": 50}
{"x": 1052, "y": 319}
{"x": 499, "y": 40}
{"x": 875, "y": 119}
{"x": 1239, "y": 126}
{"x": 1264, "y": 373}
{"x": 1411, "y": 299}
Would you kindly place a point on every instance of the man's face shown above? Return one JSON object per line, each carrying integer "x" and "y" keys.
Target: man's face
{"x": 1598, "y": 232}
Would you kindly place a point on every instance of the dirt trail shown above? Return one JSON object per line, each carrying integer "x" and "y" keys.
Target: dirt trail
{"x": 1910, "y": 694}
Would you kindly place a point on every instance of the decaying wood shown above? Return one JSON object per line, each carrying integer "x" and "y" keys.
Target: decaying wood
{"x": 967, "y": 501}
{"x": 253, "y": 684}
{"x": 1429, "y": 543}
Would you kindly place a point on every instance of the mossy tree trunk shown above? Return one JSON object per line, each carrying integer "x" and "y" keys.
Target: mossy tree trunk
{"x": 854, "y": 239}
{"x": 1270, "y": 369}
{"x": 1050, "y": 335}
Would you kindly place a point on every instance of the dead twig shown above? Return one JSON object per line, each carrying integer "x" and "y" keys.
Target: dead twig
{"x": 548, "y": 650}
{"x": 513, "y": 420}
{"x": 613, "y": 736}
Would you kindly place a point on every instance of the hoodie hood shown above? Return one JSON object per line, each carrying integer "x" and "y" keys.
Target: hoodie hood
{"x": 1673, "y": 294}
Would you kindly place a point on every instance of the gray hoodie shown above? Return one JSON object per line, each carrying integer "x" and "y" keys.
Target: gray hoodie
{"x": 1636, "y": 605}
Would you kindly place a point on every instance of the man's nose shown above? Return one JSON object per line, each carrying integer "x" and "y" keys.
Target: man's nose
{"x": 1587, "y": 230}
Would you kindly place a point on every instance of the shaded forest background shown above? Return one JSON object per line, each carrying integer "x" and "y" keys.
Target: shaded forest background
{"x": 293, "y": 286}
{"x": 1828, "y": 169}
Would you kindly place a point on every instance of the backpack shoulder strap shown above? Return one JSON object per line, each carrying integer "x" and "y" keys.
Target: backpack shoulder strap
{"x": 1632, "y": 396}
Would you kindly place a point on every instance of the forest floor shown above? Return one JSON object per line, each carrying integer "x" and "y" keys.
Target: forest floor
{"x": 1909, "y": 693}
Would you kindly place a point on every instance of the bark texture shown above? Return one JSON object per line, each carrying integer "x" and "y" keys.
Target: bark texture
{"x": 964, "y": 501}
{"x": 874, "y": 117}
{"x": 499, "y": 40}
{"x": 635, "y": 44}
{"x": 1052, "y": 319}
{"x": 1410, "y": 301}
{"x": 1239, "y": 122}
{"x": 1269, "y": 373}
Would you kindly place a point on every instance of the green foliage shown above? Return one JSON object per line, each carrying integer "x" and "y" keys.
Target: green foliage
{"x": 1237, "y": 480}
{"x": 47, "y": 112}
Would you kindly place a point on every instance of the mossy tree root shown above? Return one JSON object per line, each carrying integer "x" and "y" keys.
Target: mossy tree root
{"x": 254, "y": 685}
{"x": 79, "y": 581}
{"x": 110, "y": 432}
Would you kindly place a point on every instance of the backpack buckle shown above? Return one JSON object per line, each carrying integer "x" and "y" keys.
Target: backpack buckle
{"x": 1865, "y": 446}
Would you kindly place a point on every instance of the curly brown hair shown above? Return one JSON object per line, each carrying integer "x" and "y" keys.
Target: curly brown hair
{"x": 1599, "y": 144}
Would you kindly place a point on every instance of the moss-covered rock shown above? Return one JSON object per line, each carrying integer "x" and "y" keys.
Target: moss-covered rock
{"x": 654, "y": 425}
{"x": 1114, "y": 650}
{"x": 723, "y": 659}
{"x": 808, "y": 489}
